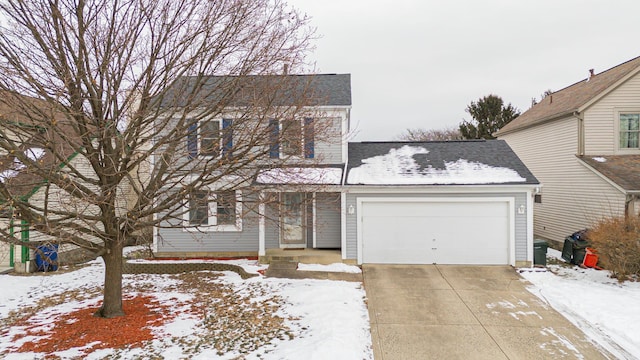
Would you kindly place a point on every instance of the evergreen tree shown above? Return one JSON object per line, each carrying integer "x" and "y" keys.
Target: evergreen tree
{"x": 488, "y": 115}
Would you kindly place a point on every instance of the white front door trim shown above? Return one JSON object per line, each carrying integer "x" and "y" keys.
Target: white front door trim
{"x": 293, "y": 222}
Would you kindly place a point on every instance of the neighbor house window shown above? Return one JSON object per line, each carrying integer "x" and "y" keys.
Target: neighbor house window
{"x": 292, "y": 138}
{"x": 210, "y": 138}
{"x": 213, "y": 211}
{"x": 629, "y": 130}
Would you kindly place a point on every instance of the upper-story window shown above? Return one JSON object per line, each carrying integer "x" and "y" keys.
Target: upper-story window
{"x": 629, "y": 131}
{"x": 292, "y": 138}
{"x": 210, "y": 138}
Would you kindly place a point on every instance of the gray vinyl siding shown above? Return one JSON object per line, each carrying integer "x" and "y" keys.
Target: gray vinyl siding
{"x": 180, "y": 240}
{"x": 573, "y": 197}
{"x": 328, "y": 220}
{"x": 601, "y": 119}
{"x": 328, "y": 146}
{"x": 327, "y": 229}
{"x": 328, "y": 140}
{"x": 520, "y": 220}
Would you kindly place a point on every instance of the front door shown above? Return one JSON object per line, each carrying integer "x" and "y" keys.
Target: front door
{"x": 292, "y": 225}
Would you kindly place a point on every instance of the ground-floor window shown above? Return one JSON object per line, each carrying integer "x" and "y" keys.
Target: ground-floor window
{"x": 214, "y": 210}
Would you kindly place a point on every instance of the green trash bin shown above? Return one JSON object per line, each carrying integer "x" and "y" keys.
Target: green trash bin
{"x": 540, "y": 252}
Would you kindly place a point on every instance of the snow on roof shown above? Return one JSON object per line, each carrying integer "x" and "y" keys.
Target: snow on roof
{"x": 300, "y": 175}
{"x": 398, "y": 167}
{"x": 7, "y": 174}
{"x": 32, "y": 153}
{"x": 600, "y": 159}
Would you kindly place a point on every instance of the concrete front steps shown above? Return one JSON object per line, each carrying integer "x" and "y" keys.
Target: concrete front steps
{"x": 284, "y": 264}
{"x": 305, "y": 256}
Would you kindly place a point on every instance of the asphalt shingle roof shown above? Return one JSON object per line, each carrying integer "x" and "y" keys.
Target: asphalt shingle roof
{"x": 31, "y": 119}
{"x": 565, "y": 101}
{"x": 623, "y": 170}
{"x": 493, "y": 153}
{"x": 252, "y": 90}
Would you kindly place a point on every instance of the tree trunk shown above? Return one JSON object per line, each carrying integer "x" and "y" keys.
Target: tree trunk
{"x": 112, "y": 301}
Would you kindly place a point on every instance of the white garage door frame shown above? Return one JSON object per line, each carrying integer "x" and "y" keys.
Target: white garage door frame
{"x": 509, "y": 200}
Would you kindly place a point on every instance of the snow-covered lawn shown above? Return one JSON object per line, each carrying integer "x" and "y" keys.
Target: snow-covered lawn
{"x": 283, "y": 319}
{"x": 607, "y": 311}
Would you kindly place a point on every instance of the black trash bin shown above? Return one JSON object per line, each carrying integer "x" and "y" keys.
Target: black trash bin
{"x": 540, "y": 252}
{"x": 567, "y": 249}
{"x": 575, "y": 247}
{"x": 579, "y": 251}
{"x": 47, "y": 257}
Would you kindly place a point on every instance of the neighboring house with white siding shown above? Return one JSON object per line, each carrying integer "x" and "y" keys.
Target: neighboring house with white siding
{"x": 23, "y": 182}
{"x": 457, "y": 202}
{"x": 582, "y": 143}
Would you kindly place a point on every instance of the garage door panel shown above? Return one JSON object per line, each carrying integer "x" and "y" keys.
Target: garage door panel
{"x": 436, "y": 209}
{"x": 436, "y": 232}
{"x": 400, "y": 243}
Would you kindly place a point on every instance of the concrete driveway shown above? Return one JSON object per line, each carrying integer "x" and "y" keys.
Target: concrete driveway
{"x": 465, "y": 312}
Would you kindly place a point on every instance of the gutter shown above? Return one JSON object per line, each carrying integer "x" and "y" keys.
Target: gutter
{"x": 580, "y": 118}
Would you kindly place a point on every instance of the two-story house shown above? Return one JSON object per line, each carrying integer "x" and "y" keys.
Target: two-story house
{"x": 582, "y": 143}
{"x": 458, "y": 202}
{"x": 287, "y": 195}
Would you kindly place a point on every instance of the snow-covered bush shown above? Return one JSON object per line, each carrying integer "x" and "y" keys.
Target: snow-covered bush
{"x": 617, "y": 242}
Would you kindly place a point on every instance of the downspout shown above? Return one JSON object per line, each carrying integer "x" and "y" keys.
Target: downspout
{"x": 24, "y": 236}
{"x": 580, "y": 118}
{"x": 343, "y": 211}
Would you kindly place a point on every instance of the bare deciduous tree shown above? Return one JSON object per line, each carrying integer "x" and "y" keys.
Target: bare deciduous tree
{"x": 419, "y": 134}
{"x": 111, "y": 90}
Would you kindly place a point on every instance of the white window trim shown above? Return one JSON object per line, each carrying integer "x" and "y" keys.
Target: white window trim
{"x": 220, "y": 140}
{"x": 303, "y": 144}
{"x": 618, "y": 149}
{"x": 213, "y": 219}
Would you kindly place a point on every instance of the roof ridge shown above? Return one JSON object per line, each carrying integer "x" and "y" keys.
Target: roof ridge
{"x": 564, "y": 102}
{"x": 600, "y": 73}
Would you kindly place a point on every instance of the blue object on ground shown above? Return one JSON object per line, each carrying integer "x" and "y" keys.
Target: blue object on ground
{"x": 47, "y": 257}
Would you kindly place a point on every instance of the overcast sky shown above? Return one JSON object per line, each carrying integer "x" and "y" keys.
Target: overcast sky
{"x": 419, "y": 63}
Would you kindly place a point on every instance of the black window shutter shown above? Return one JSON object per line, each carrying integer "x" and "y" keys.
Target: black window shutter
{"x": 308, "y": 138}
{"x": 192, "y": 140}
{"x": 274, "y": 144}
{"x": 227, "y": 137}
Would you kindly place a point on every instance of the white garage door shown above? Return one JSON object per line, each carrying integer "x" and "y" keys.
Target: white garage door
{"x": 442, "y": 232}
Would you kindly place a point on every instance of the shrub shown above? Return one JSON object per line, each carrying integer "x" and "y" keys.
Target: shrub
{"x": 617, "y": 242}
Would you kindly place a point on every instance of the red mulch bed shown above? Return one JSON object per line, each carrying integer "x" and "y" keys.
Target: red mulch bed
{"x": 80, "y": 328}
